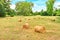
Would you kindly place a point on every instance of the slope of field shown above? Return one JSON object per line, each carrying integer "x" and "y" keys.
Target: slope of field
{"x": 11, "y": 28}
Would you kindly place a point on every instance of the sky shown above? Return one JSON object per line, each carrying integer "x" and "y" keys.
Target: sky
{"x": 38, "y": 4}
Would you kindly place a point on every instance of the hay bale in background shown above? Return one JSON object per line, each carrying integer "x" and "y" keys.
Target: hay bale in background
{"x": 20, "y": 20}
{"x": 26, "y": 26}
{"x": 29, "y": 19}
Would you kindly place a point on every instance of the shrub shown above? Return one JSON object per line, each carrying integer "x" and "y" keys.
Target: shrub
{"x": 2, "y": 14}
{"x": 12, "y": 15}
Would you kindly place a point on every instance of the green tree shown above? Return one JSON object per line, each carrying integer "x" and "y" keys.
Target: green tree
{"x": 11, "y": 13}
{"x": 7, "y": 5}
{"x": 4, "y": 6}
{"x": 24, "y": 8}
{"x": 49, "y": 5}
{"x": 2, "y": 9}
{"x": 58, "y": 12}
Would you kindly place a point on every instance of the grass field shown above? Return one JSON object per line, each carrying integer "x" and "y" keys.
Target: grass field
{"x": 11, "y": 29}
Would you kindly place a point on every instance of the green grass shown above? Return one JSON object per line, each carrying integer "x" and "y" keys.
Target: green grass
{"x": 11, "y": 29}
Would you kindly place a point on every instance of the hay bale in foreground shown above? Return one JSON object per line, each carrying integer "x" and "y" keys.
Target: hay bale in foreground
{"x": 40, "y": 29}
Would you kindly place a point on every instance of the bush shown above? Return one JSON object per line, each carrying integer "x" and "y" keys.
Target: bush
{"x": 11, "y": 13}
{"x": 54, "y": 14}
{"x": 57, "y": 12}
{"x": 2, "y": 13}
{"x": 44, "y": 13}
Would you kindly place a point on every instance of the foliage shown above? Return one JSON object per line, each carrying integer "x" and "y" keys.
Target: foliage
{"x": 36, "y": 13}
{"x": 2, "y": 10}
{"x": 43, "y": 13}
{"x": 58, "y": 12}
{"x": 12, "y": 13}
{"x": 49, "y": 5}
{"x": 24, "y": 8}
{"x": 4, "y": 7}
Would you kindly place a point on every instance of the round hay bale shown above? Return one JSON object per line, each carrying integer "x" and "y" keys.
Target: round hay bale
{"x": 53, "y": 20}
{"x": 40, "y": 29}
{"x": 29, "y": 19}
{"x": 20, "y": 20}
{"x": 26, "y": 26}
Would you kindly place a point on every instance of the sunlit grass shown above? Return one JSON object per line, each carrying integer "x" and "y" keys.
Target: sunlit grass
{"x": 11, "y": 28}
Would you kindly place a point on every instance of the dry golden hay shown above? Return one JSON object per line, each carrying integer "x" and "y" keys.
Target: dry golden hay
{"x": 34, "y": 18}
{"x": 16, "y": 29}
{"x": 38, "y": 17}
{"x": 51, "y": 31}
{"x": 26, "y": 26}
{"x": 40, "y": 29}
{"x": 25, "y": 18}
{"x": 6, "y": 29}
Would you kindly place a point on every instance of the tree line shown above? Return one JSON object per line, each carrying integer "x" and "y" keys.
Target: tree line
{"x": 25, "y": 9}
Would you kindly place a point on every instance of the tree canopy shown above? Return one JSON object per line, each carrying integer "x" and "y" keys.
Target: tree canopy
{"x": 24, "y": 8}
{"x": 49, "y": 5}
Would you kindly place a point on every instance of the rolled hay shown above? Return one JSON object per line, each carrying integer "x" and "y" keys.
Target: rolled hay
{"x": 29, "y": 19}
{"x": 53, "y": 20}
{"x": 26, "y": 26}
{"x": 40, "y": 29}
{"x": 20, "y": 20}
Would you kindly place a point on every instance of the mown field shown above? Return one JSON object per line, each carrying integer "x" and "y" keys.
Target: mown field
{"x": 11, "y": 28}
